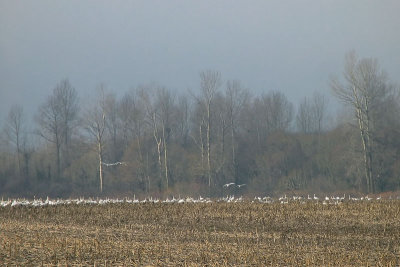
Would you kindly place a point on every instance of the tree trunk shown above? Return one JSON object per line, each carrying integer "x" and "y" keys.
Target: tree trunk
{"x": 369, "y": 145}
{"x": 233, "y": 150}
{"x": 147, "y": 172}
{"x": 165, "y": 159}
{"x": 209, "y": 144}
{"x": 100, "y": 154}
{"x": 363, "y": 122}
{"x": 158, "y": 143}
{"x": 58, "y": 157}
{"x": 18, "y": 154}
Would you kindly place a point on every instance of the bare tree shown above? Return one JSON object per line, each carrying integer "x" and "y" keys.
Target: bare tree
{"x": 198, "y": 122}
{"x": 221, "y": 123}
{"x": 210, "y": 81}
{"x": 95, "y": 124}
{"x": 57, "y": 117}
{"x": 159, "y": 104}
{"x": 132, "y": 110}
{"x": 14, "y": 131}
{"x": 319, "y": 111}
{"x": 69, "y": 108}
{"x": 364, "y": 87}
{"x": 166, "y": 102}
{"x": 278, "y": 111}
{"x": 254, "y": 122}
{"x": 113, "y": 125}
{"x": 311, "y": 114}
{"x": 304, "y": 117}
{"x": 49, "y": 120}
{"x": 236, "y": 100}
{"x": 183, "y": 119}
{"x": 126, "y": 110}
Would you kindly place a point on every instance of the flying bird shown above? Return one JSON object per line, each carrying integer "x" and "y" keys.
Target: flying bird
{"x": 227, "y": 185}
{"x": 114, "y": 164}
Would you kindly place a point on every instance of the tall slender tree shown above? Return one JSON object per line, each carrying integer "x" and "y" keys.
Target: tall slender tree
{"x": 364, "y": 86}
{"x": 95, "y": 124}
{"x": 210, "y": 81}
{"x": 237, "y": 98}
{"x": 66, "y": 94}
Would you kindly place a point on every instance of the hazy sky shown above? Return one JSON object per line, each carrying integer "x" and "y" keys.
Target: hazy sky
{"x": 292, "y": 46}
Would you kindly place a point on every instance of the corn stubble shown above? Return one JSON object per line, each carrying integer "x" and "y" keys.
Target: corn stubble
{"x": 212, "y": 234}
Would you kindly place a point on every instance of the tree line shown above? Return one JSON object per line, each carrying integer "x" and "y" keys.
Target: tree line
{"x": 153, "y": 141}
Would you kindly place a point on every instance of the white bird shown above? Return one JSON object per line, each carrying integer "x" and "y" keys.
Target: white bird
{"x": 315, "y": 197}
{"x": 284, "y": 200}
{"x": 113, "y": 164}
{"x": 240, "y": 185}
{"x": 227, "y": 185}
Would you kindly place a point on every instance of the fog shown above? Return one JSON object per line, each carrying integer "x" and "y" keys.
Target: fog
{"x": 290, "y": 46}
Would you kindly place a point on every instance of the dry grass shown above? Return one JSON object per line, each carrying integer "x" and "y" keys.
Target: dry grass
{"x": 214, "y": 234}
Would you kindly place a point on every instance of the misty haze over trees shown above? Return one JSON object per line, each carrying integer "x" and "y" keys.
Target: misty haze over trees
{"x": 154, "y": 141}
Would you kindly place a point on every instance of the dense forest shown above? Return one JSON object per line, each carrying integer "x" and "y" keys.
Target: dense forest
{"x": 154, "y": 141}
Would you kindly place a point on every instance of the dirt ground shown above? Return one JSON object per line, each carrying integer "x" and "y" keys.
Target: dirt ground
{"x": 202, "y": 234}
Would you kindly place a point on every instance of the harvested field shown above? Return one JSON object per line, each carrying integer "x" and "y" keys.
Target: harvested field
{"x": 199, "y": 234}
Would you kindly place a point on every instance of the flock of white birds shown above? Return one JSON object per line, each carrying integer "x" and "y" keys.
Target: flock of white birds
{"x": 332, "y": 200}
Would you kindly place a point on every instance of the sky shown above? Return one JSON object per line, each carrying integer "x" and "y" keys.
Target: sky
{"x": 292, "y": 46}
